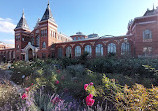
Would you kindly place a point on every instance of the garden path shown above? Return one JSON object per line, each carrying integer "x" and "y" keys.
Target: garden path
{"x": 5, "y": 76}
{"x": 5, "y": 79}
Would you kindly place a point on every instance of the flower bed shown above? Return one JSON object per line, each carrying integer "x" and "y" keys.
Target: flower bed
{"x": 75, "y": 87}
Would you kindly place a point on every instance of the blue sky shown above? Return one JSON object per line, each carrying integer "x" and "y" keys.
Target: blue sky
{"x": 105, "y": 17}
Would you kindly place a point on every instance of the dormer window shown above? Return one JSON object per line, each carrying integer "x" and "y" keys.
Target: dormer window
{"x": 147, "y": 35}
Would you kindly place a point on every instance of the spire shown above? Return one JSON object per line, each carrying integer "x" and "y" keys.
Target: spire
{"x": 153, "y": 6}
{"x": 23, "y": 13}
{"x": 22, "y": 23}
{"x": 48, "y": 14}
{"x": 48, "y": 2}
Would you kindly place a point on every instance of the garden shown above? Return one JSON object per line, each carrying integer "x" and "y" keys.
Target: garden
{"x": 82, "y": 84}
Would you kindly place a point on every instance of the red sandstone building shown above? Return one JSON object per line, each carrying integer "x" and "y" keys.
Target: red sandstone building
{"x": 44, "y": 41}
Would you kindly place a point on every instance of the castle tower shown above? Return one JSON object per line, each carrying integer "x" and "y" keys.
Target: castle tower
{"x": 48, "y": 32}
{"x": 21, "y": 37}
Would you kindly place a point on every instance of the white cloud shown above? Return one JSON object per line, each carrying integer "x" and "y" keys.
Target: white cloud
{"x": 6, "y": 25}
{"x": 11, "y": 41}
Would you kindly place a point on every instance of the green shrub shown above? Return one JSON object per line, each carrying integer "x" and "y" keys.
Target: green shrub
{"x": 21, "y": 70}
{"x": 137, "y": 98}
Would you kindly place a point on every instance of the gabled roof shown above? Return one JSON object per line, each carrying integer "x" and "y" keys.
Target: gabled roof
{"x": 22, "y": 23}
{"x": 48, "y": 14}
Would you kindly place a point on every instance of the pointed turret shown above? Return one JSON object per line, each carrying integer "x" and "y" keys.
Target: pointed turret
{"x": 37, "y": 24}
{"x": 48, "y": 14}
{"x": 22, "y": 23}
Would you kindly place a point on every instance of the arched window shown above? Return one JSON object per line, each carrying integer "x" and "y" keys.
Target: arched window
{"x": 18, "y": 47}
{"x": 112, "y": 48}
{"x": 44, "y": 45}
{"x": 125, "y": 48}
{"x": 77, "y": 51}
{"x": 147, "y": 51}
{"x": 32, "y": 41}
{"x": 88, "y": 49}
{"x": 60, "y": 52}
{"x": 37, "y": 41}
{"x": 68, "y": 51}
{"x": 99, "y": 50}
{"x": 147, "y": 34}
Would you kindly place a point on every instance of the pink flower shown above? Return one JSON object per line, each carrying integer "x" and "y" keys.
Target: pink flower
{"x": 27, "y": 89}
{"x": 24, "y": 96}
{"x": 90, "y": 96}
{"x": 85, "y": 86}
{"x": 56, "y": 100}
{"x": 32, "y": 84}
{"x": 89, "y": 100}
{"x": 91, "y": 84}
{"x": 56, "y": 82}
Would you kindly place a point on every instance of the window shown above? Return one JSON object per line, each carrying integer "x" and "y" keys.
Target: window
{"x": 54, "y": 34}
{"x": 18, "y": 47}
{"x": 99, "y": 50}
{"x": 68, "y": 51}
{"x": 125, "y": 48}
{"x": 44, "y": 33}
{"x": 82, "y": 37}
{"x": 78, "y": 38}
{"x": 147, "y": 35}
{"x": 23, "y": 39}
{"x": 37, "y": 41}
{"x": 147, "y": 51}
{"x": 50, "y": 33}
{"x": 17, "y": 37}
{"x": 44, "y": 45}
{"x": 60, "y": 52}
{"x": 74, "y": 38}
{"x": 88, "y": 49}
{"x": 77, "y": 51}
{"x": 32, "y": 41}
{"x": 112, "y": 48}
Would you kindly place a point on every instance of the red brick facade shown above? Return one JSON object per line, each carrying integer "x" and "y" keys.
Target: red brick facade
{"x": 44, "y": 41}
